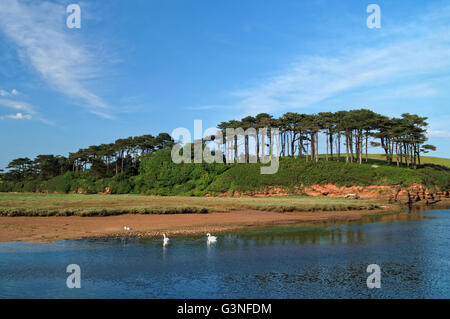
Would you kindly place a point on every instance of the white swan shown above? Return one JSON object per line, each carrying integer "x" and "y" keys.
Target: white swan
{"x": 126, "y": 228}
{"x": 211, "y": 239}
{"x": 165, "y": 239}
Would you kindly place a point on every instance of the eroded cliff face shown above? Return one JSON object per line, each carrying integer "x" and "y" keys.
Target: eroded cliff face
{"x": 414, "y": 192}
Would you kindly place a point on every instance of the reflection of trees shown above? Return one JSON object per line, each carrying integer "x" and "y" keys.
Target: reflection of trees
{"x": 327, "y": 232}
{"x": 333, "y": 235}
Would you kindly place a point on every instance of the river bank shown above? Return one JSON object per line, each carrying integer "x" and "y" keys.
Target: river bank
{"x": 47, "y": 229}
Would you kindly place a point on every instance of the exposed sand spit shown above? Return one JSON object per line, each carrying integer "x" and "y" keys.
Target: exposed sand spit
{"x": 45, "y": 229}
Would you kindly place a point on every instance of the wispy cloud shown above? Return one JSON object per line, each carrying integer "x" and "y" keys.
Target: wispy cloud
{"x": 204, "y": 107}
{"x": 23, "y": 107}
{"x": 6, "y": 93}
{"x": 26, "y": 111}
{"x": 38, "y": 31}
{"x": 438, "y": 133}
{"x": 415, "y": 55}
{"x": 17, "y": 116}
{"x": 17, "y": 105}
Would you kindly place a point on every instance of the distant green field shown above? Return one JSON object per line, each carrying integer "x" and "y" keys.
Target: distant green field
{"x": 423, "y": 159}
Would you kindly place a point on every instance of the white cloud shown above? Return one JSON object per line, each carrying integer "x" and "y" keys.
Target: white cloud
{"x": 24, "y": 107}
{"x": 17, "y": 105}
{"x": 6, "y": 93}
{"x": 315, "y": 79}
{"x": 17, "y": 116}
{"x": 204, "y": 107}
{"x": 413, "y": 65}
{"x": 438, "y": 133}
{"x": 42, "y": 39}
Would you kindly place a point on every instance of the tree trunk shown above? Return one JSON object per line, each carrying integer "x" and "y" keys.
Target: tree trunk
{"x": 339, "y": 147}
{"x": 396, "y": 153}
{"x": 346, "y": 148}
{"x": 331, "y": 144}
{"x": 367, "y": 142}
{"x": 317, "y": 147}
{"x": 351, "y": 147}
{"x": 257, "y": 145}
{"x": 300, "y": 150}
{"x": 247, "y": 155}
{"x": 360, "y": 148}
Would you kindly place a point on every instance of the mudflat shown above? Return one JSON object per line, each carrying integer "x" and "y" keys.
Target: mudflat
{"x": 49, "y": 217}
{"x": 51, "y": 228}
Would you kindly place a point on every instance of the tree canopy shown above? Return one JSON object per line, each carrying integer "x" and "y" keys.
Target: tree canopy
{"x": 401, "y": 139}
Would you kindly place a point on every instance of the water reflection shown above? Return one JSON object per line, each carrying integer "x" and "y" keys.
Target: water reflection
{"x": 210, "y": 249}
{"x": 314, "y": 236}
{"x": 164, "y": 251}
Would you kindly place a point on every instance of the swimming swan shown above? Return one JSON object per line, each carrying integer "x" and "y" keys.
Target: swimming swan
{"x": 211, "y": 239}
{"x": 165, "y": 239}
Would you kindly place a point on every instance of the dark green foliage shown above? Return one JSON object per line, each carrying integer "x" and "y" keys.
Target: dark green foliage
{"x": 8, "y": 186}
{"x": 296, "y": 172}
{"x": 160, "y": 176}
{"x": 143, "y": 164}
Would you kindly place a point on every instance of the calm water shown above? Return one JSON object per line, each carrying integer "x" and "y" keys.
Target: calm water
{"x": 413, "y": 251}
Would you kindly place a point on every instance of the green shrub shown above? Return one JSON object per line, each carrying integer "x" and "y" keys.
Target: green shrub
{"x": 158, "y": 175}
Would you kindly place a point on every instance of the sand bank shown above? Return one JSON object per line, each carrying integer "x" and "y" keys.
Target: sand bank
{"x": 46, "y": 229}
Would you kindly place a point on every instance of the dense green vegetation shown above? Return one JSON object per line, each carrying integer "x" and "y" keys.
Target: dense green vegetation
{"x": 143, "y": 164}
{"x": 160, "y": 176}
{"x": 297, "y": 173}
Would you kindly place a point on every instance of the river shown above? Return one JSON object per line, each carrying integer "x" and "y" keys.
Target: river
{"x": 301, "y": 261}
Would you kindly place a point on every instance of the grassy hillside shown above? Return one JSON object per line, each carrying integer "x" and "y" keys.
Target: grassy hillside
{"x": 295, "y": 172}
{"x": 160, "y": 176}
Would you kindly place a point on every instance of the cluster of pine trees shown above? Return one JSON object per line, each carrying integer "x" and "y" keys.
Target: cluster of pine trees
{"x": 105, "y": 160}
{"x": 346, "y": 134}
{"x": 402, "y": 139}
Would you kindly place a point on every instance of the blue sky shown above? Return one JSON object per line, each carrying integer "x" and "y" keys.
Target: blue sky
{"x": 139, "y": 67}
